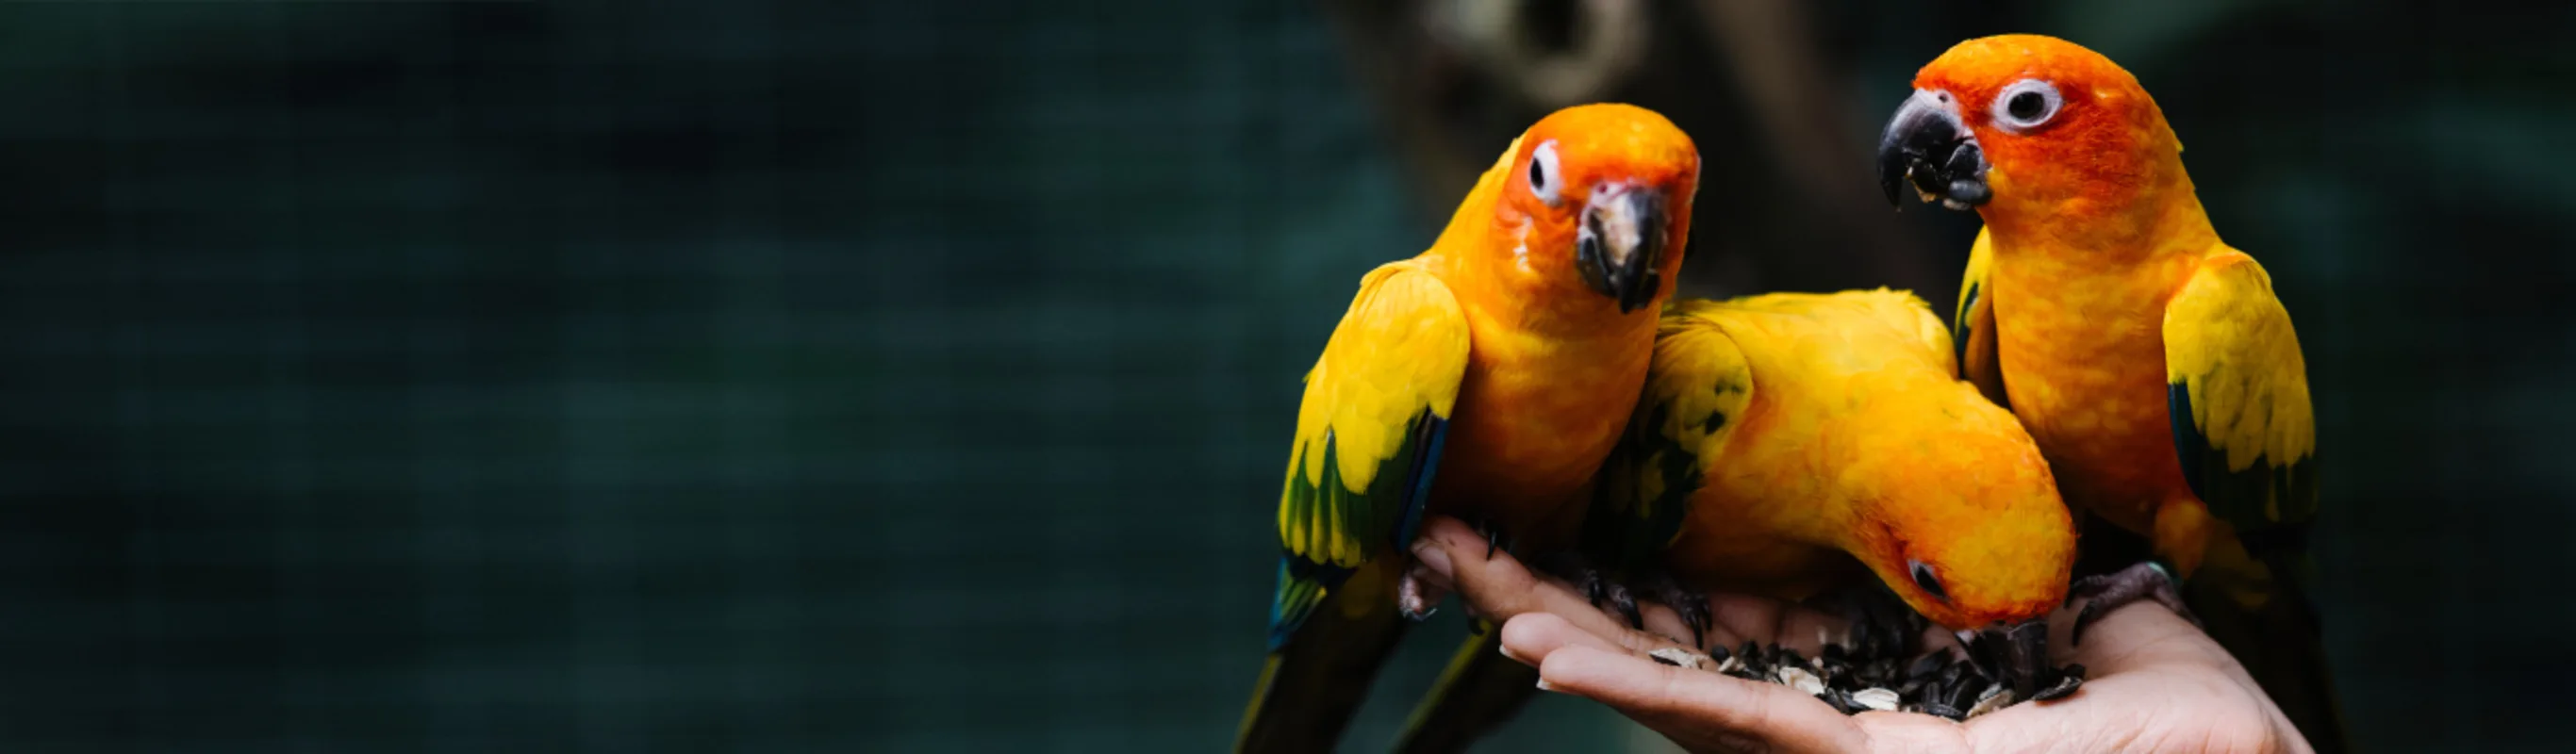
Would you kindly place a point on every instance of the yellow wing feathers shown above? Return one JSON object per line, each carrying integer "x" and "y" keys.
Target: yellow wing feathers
{"x": 2239, "y": 392}
{"x": 1700, "y": 381}
{"x": 1391, "y": 367}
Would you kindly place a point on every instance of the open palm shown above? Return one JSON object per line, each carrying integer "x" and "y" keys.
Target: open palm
{"x": 2155, "y": 682}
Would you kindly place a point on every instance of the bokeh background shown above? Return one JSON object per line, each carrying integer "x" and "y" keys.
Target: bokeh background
{"x": 904, "y": 376}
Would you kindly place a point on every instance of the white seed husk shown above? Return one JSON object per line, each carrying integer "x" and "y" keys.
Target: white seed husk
{"x": 1875, "y": 698}
{"x": 1994, "y": 698}
{"x": 1802, "y": 680}
{"x": 1681, "y": 657}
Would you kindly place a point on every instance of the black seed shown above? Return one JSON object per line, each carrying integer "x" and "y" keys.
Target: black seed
{"x": 1911, "y": 688}
{"x": 2073, "y": 670}
{"x": 1839, "y": 700}
{"x": 1882, "y": 672}
{"x": 1717, "y": 654}
{"x": 1832, "y": 653}
{"x": 1963, "y": 694}
{"x": 2066, "y": 684}
{"x": 1928, "y": 664}
{"x": 1974, "y": 677}
{"x": 1943, "y": 710}
{"x": 1791, "y": 657}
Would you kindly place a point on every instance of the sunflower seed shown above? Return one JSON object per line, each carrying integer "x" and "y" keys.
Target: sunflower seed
{"x": 1679, "y": 657}
{"x": 2068, "y": 680}
{"x": 1994, "y": 698}
{"x": 1799, "y": 678}
{"x": 1840, "y": 701}
{"x": 1875, "y": 698}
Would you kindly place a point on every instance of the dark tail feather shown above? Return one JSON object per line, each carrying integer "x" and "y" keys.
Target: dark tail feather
{"x": 1480, "y": 690}
{"x": 2281, "y": 645}
{"x": 1312, "y": 685}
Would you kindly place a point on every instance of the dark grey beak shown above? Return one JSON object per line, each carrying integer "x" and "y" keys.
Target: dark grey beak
{"x": 1620, "y": 247}
{"x": 1927, "y": 144}
{"x": 2025, "y": 657}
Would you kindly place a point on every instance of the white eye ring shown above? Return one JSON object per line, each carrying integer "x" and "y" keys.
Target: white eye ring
{"x": 2026, "y": 104}
{"x": 1544, "y": 180}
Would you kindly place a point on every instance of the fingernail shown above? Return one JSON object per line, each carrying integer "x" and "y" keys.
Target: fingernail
{"x": 1507, "y": 654}
{"x": 1429, "y": 554}
{"x": 1543, "y": 685}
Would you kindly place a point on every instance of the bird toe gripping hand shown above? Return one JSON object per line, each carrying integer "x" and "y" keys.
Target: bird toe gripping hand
{"x": 2110, "y": 591}
{"x": 1597, "y": 587}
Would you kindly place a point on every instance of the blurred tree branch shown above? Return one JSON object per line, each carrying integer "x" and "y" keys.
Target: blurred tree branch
{"x": 1786, "y": 199}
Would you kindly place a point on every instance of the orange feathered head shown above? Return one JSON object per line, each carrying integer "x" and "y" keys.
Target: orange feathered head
{"x": 1961, "y": 516}
{"x": 1596, "y": 196}
{"x": 2024, "y": 126}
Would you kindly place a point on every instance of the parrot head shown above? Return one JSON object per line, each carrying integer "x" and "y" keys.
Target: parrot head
{"x": 1990, "y": 543}
{"x": 1600, "y": 196}
{"x": 2029, "y": 128}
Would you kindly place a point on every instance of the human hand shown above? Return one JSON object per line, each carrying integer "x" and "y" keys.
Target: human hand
{"x": 2155, "y": 682}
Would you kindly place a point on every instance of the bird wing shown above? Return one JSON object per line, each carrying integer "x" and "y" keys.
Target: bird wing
{"x": 1369, "y": 435}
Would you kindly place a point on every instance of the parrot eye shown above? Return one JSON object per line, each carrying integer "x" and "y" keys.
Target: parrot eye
{"x": 2026, "y": 104}
{"x": 1543, "y": 178}
{"x": 1923, "y": 578}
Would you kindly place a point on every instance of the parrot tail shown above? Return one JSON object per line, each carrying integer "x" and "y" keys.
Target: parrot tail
{"x": 1316, "y": 676}
{"x": 1478, "y": 692}
{"x": 2278, "y": 638}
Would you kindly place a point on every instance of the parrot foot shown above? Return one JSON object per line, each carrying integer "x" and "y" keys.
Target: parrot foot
{"x": 1881, "y": 624}
{"x": 1494, "y": 537}
{"x": 1691, "y": 606}
{"x": 1598, "y": 588}
{"x": 1419, "y": 593}
{"x": 2110, "y": 591}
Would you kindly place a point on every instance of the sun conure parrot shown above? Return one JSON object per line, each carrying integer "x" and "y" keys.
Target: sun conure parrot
{"x": 1793, "y": 444}
{"x": 1484, "y": 379}
{"x": 2152, "y": 361}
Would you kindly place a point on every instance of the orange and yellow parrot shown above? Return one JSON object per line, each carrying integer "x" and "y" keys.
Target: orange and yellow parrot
{"x": 1485, "y": 379}
{"x": 2152, "y": 361}
{"x": 1789, "y": 442}
{"x": 1790, "y": 445}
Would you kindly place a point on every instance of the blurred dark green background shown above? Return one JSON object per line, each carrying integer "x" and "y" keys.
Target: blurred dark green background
{"x": 771, "y": 376}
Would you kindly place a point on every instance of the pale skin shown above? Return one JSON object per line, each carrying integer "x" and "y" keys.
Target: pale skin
{"x": 2154, "y": 682}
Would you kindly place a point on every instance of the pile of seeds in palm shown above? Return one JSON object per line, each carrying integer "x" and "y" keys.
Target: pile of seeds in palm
{"x": 1934, "y": 684}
